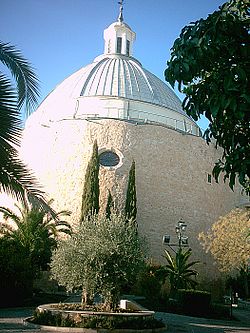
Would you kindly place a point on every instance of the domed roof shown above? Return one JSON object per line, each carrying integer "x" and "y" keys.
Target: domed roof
{"x": 110, "y": 76}
{"x": 94, "y": 90}
{"x": 122, "y": 76}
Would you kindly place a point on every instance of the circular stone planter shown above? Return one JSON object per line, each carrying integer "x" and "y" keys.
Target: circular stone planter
{"x": 51, "y": 308}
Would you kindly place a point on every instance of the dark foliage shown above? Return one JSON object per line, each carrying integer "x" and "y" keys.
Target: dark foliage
{"x": 179, "y": 270}
{"x": 194, "y": 301}
{"x": 15, "y": 177}
{"x": 90, "y": 197}
{"x": 35, "y": 232}
{"x": 237, "y": 284}
{"x": 105, "y": 322}
{"x": 149, "y": 283}
{"x": 109, "y": 206}
{"x": 130, "y": 205}
{"x": 210, "y": 61}
{"x": 16, "y": 273}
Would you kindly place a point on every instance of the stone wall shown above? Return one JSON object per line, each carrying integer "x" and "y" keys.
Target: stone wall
{"x": 171, "y": 175}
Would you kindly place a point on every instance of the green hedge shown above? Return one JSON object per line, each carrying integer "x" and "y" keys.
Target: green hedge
{"x": 194, "y": 301}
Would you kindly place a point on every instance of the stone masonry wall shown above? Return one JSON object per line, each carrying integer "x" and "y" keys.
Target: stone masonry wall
{"x": 171, "y": 176}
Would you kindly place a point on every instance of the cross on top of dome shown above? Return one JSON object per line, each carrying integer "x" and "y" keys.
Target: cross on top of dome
{"x": 119, "y": 37}
{"x": 120, "y": 17}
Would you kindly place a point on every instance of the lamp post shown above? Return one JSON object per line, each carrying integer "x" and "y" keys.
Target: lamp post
{"x": 180, "y": 230}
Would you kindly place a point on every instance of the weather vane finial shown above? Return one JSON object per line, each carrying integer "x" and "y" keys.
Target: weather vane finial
{"x": 120, "y": 17}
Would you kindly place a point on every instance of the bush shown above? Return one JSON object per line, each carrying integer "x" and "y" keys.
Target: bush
{"x": 105, "y": 322}
{"x": 194, "y": 302}
{"x": 219, "y": 311}
{"x": 16, "y": 274}
{"x": 149, "y": 283}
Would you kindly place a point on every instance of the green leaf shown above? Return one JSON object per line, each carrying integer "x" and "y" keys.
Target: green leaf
{"x": 27, "y": 81}
{"x": 232, "y": 180}
{"x": 186, "y": 66}
{"x": 215, "y": 107}
{"x": 246, "y": 97}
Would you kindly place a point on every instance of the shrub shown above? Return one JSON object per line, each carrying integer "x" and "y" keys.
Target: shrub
{"x": 148, "y": 284}
{"x": 220, "y": 311}
{"x": 16, "y": 273}
{"x": 105, "y": 322}
{"x": 194, "y": 301}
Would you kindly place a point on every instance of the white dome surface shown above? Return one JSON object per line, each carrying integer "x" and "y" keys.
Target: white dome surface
{"x": 112, "y": 76}
{"x": 115, "y": 85}
{"x": 122, "y": 76}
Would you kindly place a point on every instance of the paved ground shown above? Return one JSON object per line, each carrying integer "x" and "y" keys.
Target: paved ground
{"x": 185, "y": 324}
{"x": 11, "y": 321}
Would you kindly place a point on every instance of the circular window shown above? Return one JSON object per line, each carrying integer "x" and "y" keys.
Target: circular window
{"x": 109, "y": 159}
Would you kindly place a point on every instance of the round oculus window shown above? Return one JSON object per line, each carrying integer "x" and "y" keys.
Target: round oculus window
{"x": 109, "y": 159}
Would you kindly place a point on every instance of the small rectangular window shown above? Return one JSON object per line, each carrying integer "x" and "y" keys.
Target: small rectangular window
{"x": 209, "y": 178}
{"x": 119, "y": 45}
{"x": 128, "y": 48}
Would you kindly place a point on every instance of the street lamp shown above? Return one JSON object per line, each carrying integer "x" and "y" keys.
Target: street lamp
{"x": 180, "y": 229}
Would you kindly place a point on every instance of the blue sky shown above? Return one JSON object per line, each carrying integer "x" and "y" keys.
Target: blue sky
{"x": 60, "y": 36}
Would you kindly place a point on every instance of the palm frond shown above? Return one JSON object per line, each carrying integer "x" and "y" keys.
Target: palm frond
{"x": 6, "y": 229}
{"x": 62, "y": 223}
{"x": 16, "y": 179}
{"x": 27, "y": 81}
{"x": 8, "y": 214}
{"x": 178, "y": 269}
{"x": 65, "y": 231}
{"x": 10, "y": 131}
{"x": 190, "y": 273}
{"x": 192, "y": 263}
{"x": 169, "y": 258}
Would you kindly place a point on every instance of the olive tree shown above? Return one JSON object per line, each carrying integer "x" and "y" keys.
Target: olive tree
{"x": 102, "y": 256}
{"x": 210, "y": 63}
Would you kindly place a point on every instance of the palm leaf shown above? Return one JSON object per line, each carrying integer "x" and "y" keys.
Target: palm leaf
{"x": 9, "y": 116}
{"x": 192, "y": 264}
{"x": 178, "y": 269}
{"x": 6, "y": 229}
{"x": 15, "y": 178}
{"x": 8, "y": 214}
{"x": 27, "y": 81}
{"x": 65, "y": 231}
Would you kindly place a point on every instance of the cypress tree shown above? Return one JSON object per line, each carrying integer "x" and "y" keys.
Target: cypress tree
{"x": 109, "y": 206}
{"x": 130, "y": 205}
{"x": 90, "y": 197}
